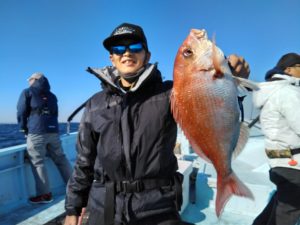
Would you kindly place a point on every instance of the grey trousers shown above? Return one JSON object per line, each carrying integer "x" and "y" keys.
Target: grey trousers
{"x": 40, "y": 145}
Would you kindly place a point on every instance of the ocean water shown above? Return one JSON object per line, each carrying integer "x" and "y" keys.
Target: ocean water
{"x": 10, "y": 134}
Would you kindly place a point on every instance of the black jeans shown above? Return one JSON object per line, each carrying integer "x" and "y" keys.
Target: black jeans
{"x": 284, "y": 207}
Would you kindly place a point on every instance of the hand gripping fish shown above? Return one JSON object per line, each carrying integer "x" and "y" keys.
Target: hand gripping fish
{"x": 204, "y": 103}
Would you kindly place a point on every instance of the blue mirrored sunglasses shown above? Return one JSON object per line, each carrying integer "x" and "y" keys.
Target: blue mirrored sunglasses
{"x": 121, "y": 49}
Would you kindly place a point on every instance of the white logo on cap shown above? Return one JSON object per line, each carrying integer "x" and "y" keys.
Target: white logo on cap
{"x": 124, "y": 30}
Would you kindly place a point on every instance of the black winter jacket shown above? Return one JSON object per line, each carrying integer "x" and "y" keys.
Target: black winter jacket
{"x": 125, "y": 136}
{"x": 37, "y": 109}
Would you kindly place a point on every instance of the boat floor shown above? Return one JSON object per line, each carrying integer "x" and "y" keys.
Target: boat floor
{"x": 194, "y": 214}
{"x": 53, "y": 214}
{"x": 37, "y": 214}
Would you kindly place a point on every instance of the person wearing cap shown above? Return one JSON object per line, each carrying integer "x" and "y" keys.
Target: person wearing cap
{"x": 37, "y": 113}
{"x": 279, "y": 101}
{"x": 126, "y": 170}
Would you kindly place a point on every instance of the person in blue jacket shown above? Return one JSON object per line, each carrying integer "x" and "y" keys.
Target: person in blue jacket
{"x": 37, "y": 115}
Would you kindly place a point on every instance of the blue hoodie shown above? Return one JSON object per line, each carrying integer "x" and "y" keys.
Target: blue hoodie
{"x": 37, "y": 109}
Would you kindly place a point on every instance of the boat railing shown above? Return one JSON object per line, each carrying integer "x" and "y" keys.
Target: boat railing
{"x": 17, "y": 181}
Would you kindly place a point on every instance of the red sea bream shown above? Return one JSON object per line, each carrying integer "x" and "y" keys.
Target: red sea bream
{"x": 204, "y": 104}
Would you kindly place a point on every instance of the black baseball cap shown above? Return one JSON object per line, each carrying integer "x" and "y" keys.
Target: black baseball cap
{"x": 126, "y": 31}
{"x": 288, "y": 60}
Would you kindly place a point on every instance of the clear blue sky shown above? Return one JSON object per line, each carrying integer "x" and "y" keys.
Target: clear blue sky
{"x": 62, "y": 37}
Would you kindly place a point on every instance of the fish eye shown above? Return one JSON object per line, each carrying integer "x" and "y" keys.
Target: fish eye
{"x": 187, "y": 52}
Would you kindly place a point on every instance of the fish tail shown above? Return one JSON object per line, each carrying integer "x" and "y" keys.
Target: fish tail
{"x": 228, "y": 187}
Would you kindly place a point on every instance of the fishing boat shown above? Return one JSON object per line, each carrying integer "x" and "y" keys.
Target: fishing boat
{"x": 199, "y": 186}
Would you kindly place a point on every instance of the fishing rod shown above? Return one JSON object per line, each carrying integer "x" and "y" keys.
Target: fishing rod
{"x": 253, "y": 122}
{"x": 73, "y": 114}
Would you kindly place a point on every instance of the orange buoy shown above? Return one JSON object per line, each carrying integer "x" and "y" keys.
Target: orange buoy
{"x": 293, "y": 162}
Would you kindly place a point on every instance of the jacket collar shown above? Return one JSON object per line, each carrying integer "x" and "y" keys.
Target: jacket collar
{"x": 109, "y": 76}
{"x": 292, "y": 80}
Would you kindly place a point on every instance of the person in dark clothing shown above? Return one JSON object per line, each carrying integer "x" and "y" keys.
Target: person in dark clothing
{"x": 126, "y": 171}
{"x": 37, "y": 113}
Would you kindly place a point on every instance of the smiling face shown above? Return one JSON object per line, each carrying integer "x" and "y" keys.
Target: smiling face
{"x": 129, "y": 62}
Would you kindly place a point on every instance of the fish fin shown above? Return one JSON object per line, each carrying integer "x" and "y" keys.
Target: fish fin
{"x": 216, "y": 62}
{"x": 199, "y": 151}
{"x": 227, "y": 187}
{"x": 174, "y": 108}
{"x": 246, "y": 83}
{"x": 243, "y": 138}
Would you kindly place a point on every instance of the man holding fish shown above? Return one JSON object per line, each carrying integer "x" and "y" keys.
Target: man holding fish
{"x": 126, "y": 170}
